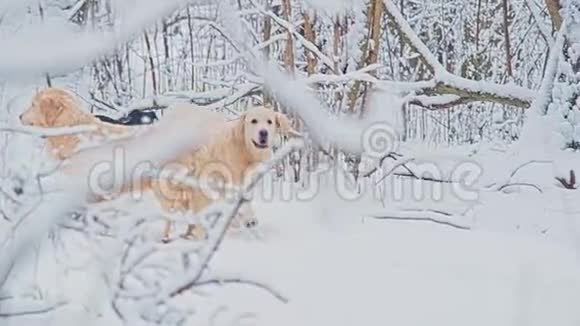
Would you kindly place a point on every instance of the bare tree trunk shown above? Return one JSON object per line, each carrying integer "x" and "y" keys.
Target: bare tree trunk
{"x": 370, "y": 53}
{"x": 554, "y": 10}
{"x": 311, "y": 62}
{"x": 41, "y": 14}
{"x": 402, "y": 45}
{"x": 310, "y": 35}
{"x": 129, "y": 76}
{"x": 478, "y": 26}
{"x": 289, "y": 50}
{"x": 336, "y": 44}
{"x": 165, "y": 36}
{"x": 338, "y": 32}
{"x": 191, "y": 51}
{"x": 151, "y": 62}
{"x": 207, "y": 58}
{"x": 155, "y": 54}
{"x": 506, "y": 32}
{"x": 266, "y": 34}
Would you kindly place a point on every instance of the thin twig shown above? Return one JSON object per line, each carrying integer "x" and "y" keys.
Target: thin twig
{"x": 262, "y": 286}
{"x": 28, "y": 312}
{"x": 427, "y": 219}
{"x": 424, "y": 215}
{"x": 507, "y": 185}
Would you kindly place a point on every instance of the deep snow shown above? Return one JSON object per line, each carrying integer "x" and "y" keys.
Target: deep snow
{"x": 338, "y": 266}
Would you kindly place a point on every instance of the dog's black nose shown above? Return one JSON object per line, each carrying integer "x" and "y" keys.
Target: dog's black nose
{"x": 263, "y": 134}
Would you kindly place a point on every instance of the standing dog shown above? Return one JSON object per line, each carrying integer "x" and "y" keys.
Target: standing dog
{"x": 229, "y": 158}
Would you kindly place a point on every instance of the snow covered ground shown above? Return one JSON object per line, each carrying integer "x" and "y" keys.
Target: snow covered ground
{"x": 335, "y": 264}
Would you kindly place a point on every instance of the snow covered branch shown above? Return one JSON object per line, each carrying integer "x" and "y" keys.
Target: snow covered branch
{"x": 309, "y": 45}
{"x": 458, "y": 90}
{"x": 21, "y": 57}
{"x": 49, "y": 132}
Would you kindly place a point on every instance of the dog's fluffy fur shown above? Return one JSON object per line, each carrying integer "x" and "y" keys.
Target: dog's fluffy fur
{"x": 230, "y": 157}
{"x": 233, "y": 151}
{"x": 54, "y": 108}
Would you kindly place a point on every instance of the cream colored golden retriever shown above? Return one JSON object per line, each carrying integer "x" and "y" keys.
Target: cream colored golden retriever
{"x": 235, "y": 148}
{"x": 229, "y": 159}
{"x": 56, "y": 108}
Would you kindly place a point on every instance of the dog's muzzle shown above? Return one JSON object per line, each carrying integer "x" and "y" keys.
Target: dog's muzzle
{"x": 260, "y": 144}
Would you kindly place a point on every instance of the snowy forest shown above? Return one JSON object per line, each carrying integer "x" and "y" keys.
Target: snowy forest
{"x": 426, "y": 177}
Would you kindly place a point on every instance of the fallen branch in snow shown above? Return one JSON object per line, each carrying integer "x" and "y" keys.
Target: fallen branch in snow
{"x": 28, "y": 309}
{"x": 426, "y": 215}
{"x": 409, "y": 173}
{"x": 518, "y": 184}
{"x": 509, "y": 182}
{"x": 260, "y": 285}
{"x": 392, "y": 156}
{"x": 393, "y": 168}
{"x": 523, "y": 165}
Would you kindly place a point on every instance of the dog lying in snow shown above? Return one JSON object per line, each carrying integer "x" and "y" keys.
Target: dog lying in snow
{"x": 55, "y": 108}
{"x": 234, "y": 149}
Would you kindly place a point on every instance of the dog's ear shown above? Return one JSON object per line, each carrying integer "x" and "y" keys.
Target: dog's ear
{"x": 51, "y": 110}
{"x": 240, "y": 127}
{"x": 284, "y": 126}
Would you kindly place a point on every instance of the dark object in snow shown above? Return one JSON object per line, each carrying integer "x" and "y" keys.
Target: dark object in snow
{"x": 135, "y": 117}
{"x": 104, "y": 118}
{"x": 568, "y": 184}
{"x": 251, "y": 223}
{"x": 18, "y": 190}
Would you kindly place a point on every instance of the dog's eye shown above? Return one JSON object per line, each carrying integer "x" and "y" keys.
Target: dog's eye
{"x": 254, "y": 121}
{"x": 269, "y": 122}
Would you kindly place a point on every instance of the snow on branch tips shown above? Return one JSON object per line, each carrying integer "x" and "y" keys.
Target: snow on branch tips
{"x": 39, "y": 50}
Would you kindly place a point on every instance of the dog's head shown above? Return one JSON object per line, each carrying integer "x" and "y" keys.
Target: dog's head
{"x": 259, "y": 128}
{"x": 53, "y": 107}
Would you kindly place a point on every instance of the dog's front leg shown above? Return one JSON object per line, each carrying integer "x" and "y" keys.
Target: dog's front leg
{"x": 166, "y": 233}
